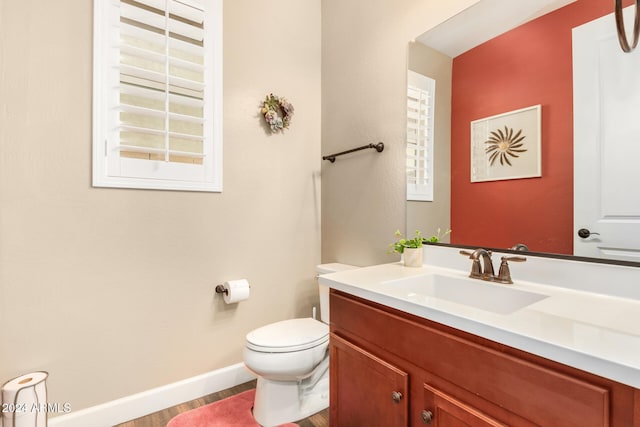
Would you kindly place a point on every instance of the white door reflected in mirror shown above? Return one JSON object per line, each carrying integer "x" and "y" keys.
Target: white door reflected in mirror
{"x": 606, "y": 143}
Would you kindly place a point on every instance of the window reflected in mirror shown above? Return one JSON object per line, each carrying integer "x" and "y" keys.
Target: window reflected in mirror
{"x": 420, "y": 107}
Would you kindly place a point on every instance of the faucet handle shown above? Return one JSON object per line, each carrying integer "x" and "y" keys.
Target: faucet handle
{"x": 504, "y": 274}
{"x": 476, "y": 270}
{"x": 474, "y": 254}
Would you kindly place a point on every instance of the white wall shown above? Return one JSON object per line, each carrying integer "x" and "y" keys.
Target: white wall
{"x": 364, "y": 64}
{"x": 111, "y": 291}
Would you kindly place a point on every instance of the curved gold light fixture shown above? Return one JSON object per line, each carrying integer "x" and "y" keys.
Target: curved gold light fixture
{"x": 622, "y": 34}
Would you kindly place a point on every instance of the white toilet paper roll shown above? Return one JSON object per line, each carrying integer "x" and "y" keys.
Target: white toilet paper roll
{"x": 236, "y": 290}
{"x": 24, "y": 401}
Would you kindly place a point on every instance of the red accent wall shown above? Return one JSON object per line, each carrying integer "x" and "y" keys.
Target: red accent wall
{"x": 527, "y": 66}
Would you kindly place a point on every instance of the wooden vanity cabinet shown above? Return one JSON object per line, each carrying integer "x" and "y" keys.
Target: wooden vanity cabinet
{"x": 390, "y": 368}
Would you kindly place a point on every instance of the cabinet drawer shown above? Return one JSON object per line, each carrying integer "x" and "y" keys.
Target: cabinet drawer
{"x": 534, "y": 392}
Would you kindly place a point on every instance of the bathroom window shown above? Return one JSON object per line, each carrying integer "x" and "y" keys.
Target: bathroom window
{"x": 157, "y": 97}
{"x": 420, "y": 110}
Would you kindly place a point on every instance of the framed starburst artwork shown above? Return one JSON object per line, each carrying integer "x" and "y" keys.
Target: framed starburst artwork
{"x": 507, "y": 146}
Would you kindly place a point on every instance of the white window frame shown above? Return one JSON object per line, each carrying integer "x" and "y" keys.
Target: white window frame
{"x": 112, "y": 170}
{"x": 420, "y": 123}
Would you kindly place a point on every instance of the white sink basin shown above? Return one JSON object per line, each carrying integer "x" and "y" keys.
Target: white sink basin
{"x": 496, "y": 298}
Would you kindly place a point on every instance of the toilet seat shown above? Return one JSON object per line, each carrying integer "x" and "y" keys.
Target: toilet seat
{"x": 288, "y": 336}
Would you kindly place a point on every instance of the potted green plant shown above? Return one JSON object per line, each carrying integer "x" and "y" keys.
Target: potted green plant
{"x": 411, "y": 249}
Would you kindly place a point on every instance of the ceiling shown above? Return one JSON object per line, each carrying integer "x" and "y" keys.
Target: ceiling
{"x": 480, "y": 23}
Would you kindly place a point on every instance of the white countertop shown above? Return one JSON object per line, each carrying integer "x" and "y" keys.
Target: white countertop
{"x": 593, "y": 332}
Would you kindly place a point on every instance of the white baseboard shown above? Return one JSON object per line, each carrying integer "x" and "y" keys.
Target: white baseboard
{"x": 150, "y": 401}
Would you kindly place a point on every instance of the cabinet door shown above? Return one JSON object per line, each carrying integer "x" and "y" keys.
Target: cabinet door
{"x": 365, "y": 390}
{"x": 442, "y": 410}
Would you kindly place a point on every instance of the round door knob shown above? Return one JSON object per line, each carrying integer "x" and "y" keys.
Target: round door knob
{"x": 427, "y": 416}
{"x": 584, "y": 233}
{"x": 396, "y": 396}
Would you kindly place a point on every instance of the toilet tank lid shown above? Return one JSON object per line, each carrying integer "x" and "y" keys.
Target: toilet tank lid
{"x": 334, "y": 267}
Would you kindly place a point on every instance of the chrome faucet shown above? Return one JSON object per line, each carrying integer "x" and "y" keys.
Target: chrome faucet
{"x": 486, "y": 272}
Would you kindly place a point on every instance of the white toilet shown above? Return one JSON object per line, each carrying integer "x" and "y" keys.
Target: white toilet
{"x": 291, "y": 361}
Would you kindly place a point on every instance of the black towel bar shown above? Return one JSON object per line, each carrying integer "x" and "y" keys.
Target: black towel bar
{"x": 332, "y": 157}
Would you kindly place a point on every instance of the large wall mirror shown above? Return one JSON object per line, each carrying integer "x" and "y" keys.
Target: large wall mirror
{"x": 518, "y": 114}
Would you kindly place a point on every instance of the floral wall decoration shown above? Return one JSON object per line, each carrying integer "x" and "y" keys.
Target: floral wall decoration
{"x": 503, "y": 145}
{"x": 277, "y": 112}
{"x": 506, "y": 146}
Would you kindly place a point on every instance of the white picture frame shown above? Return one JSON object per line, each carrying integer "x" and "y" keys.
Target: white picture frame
{"x": 507, "y": 146}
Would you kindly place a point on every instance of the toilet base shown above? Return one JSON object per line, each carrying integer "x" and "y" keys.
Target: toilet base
{"x": 280, "y": 402}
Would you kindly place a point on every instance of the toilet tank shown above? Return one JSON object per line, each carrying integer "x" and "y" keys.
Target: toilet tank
{"x": 324, "y": 290}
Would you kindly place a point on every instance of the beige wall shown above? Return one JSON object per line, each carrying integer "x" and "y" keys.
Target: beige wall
{"x": 364, "y": 63}
{"x": 111, "y": 291}
{"x": 429, "y": 216}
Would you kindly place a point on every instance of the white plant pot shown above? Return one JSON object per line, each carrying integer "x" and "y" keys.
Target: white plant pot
{"x": 412, "y": 257}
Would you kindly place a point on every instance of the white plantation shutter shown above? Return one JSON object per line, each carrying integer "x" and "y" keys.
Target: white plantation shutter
{"x": 157, "y": 94}
{"x": 420, "y": 110}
